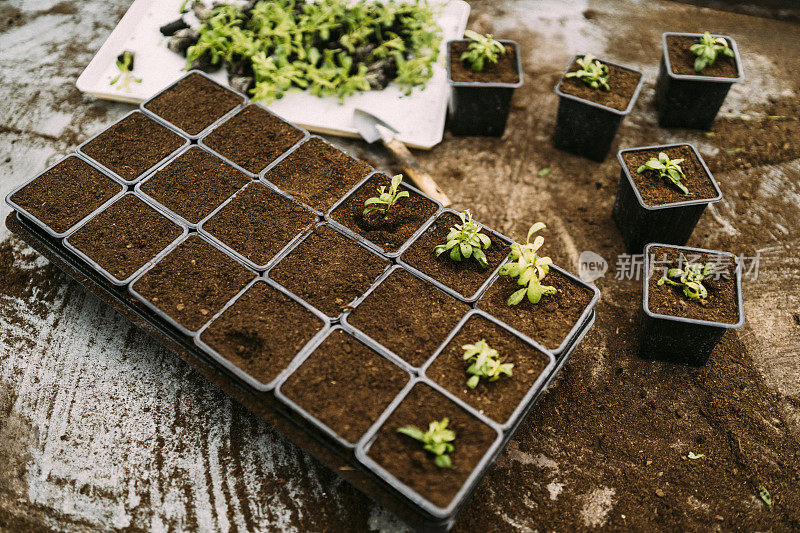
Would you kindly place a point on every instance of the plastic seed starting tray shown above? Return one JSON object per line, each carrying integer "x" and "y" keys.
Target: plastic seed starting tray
{"x": 350, "y": 458}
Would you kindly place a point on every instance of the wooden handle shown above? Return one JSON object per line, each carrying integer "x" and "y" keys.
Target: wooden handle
{"x": 421, "y": 179}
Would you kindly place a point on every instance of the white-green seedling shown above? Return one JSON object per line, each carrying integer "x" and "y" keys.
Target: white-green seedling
{"x": 386, "y": 199}
{"x": 465, "y": 240}
{"x": 666, "y": 168}
{"x": 485, "y": 363}
{"x": 707, "y": 50}
{"x": 482, "y": 49}
{"x": 592, "y": 72}
{"x": 689, "y": 279}
{"x": 125, "y": 76}
{"x": 437, "y": 440}
{"x": 530, "y": 269}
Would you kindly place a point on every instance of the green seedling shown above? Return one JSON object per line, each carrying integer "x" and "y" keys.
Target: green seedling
{"x": 465, "y": 240}
{"x": 666, "y": 168}
{"x": 529, "y": 268}
{"x": 689, "y": 279}
{"x": 765, "y": 496}
{"x": 592, "y": 72}
{"x": 437, "y": 440}
{"x": 544, "y": 172}
{"x": 125, "y": 66}
{"x": 482, "y": 49}
{"x": 693, "y": 455}
{"x": 386, "y": 199}
{"x": 707, "y": 50}
{"x": 485, "y": 363}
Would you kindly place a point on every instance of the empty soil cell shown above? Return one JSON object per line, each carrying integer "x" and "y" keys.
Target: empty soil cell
{"x": 407, "y": 315}
{"x": 465, "y": 276}
{"x": 345, "y": 385}
{"x": 656, "y": 190}
{"x": 504, "y": 71}
{"x": 548, "y": 322}
{"x": 328, "y": 270}
{"x": 681, "y": 59}
{"x": 66, "y": 194}
{"x": 623, "y": 83}
{"x": 258, "y": 223}
{"x": 317, "y": 174}
{"x": 194, "y": 103}
{"x": 262, "y": 331}
{"x": 253, "y": 138}
{"x": 133, "y": 145}
{"x": 125, "y": 236}
{"x": 404, "y": 458}
{"x": 721, "y": 304}
{"x": 496, "y": 399}
{"x": 192, "y": 282}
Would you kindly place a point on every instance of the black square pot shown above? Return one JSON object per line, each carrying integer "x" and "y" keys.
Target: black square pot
{"x": 691, "y": 101}
{"x": 641, "y": 223}
{"x": 587, "y": 128}
{"x": 683, "y": 340}
{"x": 478, "y": 108}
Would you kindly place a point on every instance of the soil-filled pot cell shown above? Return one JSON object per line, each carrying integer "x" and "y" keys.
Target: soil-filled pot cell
{"x": 193, "y": 103}
{"x": 404, "y": 458}
{"x": 194, "y": 184}
{"x": 132, "y": 146}
{"x": 125, "y": 236}
{"x": 681, "y": 59}
{"x": 328, "y": 270}
{"x": 656, "y": 190}
{"x": 65, "y": 194}
{"x": 497, "y": 399}
{"x": 345, "y": 385}
{"x": 623, "y": 83}
{"x": 408, "y": 316}
{"x": 257, "y": 223}
{"x": 262, "y": 331}
{"x": 192, "y": 282}
{"x": 317, "y": 174}
{"x": 389, "y": 232}
{"x": 253, "y": 138}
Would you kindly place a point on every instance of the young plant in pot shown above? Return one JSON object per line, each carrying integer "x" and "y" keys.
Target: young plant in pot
{"x": 482, "y": 73}
{"x": 663, "y": 190}
{"x": 695, "y": 75}
{"x": 692, "y": 296}
{"x": 594, "y": 97}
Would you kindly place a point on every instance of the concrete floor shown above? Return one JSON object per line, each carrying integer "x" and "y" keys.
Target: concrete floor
{"x": 101, "y": 428}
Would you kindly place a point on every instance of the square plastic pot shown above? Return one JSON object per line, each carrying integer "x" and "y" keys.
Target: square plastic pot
{"x": 587, "y": 128}
{"x": 641, "y": 223}
{"x": 691, "y": 101}
{"x": 683, "y": 340}
{"x": 479, "y": 108}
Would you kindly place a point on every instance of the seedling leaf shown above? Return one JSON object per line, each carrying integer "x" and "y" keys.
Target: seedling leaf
{"x": 530, "y": 269}
{"x": 707, "y": 50}
{"x": 437, "y": 440}
{"x": 592, "y": 72}
{"x": 482, "y": 49}
{"x": 386, "y": 199}
{"x": 465, "y": 240}
{"x": 666, "y": 168}
{"x": 689, "y": 279}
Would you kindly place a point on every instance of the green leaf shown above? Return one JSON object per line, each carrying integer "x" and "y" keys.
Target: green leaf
{"x": 443, "y": 461}
{"x": 545, "y": 172}
{"x": 517, "y": 297}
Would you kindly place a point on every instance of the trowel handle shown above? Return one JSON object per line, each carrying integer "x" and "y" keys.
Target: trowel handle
{"x": 419, "y": 177}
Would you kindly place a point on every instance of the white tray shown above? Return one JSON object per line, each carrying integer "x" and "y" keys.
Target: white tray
{"x": 419, "y": 117}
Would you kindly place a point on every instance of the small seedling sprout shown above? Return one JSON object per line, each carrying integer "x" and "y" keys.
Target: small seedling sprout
{"x": 386, "y": 199}
{"x": 530, "y": 269}
{"x": 689, "y": 278}
{"x": 707, "y": 49}
{"x": 485, "y": 363}
{"x": 667, "y": 168}
{"x": 481, "y": 49}
{"x": 465, "y": 240}
{"x": 125, "y": 66}
{"x": 592, "y": 72}
{"x": 765, "y": 496}
{"x": 436, "y": 440}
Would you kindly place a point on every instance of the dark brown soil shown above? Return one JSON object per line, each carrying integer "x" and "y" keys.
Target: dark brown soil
{"x": 66, "y": 194}
{"x": 194, "y": 184}
{"x": 721, "y": 305}
{"x": 253, "y": 138}
{"x": 549, "y": 321}
{"x": 497, "y": 399}
{"x": 623, "y": 83}
{"x": 390, "y": 231}
{"x": 125, "y": 236}
{"x": 504, "y": 71}
{"x": 318, "y": 174}
{"x": 133, "y": 145}
{"x": 192, "y": 282}
{"x": 328, "y": 270}
{"x": 681, "y": 59}
{"x": 465, "y": 276}
{"x": 404, "y": 457}
{"x": 345, "y": 384}
{"x": 262, "y": 331}
{"x": 409, "y": 316}
{"x": 194, "y": 103}
{"x": 258, "y": 223}
{"x": 656, "y": 190}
